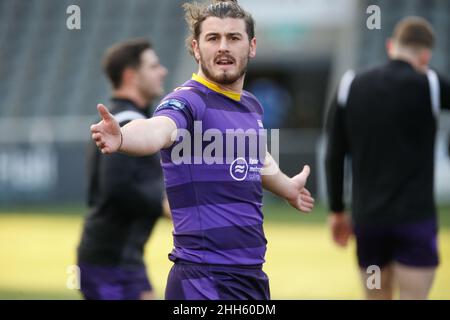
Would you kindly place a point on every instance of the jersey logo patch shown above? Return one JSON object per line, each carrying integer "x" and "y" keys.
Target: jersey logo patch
{"x": 173, "y": 104}
{"x": 239, "y": 169}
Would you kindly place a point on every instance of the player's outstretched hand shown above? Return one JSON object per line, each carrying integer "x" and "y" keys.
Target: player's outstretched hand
{"x": 302, "y": 200}
{"x": 106, "y": 133}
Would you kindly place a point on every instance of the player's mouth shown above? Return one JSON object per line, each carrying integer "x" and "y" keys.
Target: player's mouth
{"x": 224, "y": 61}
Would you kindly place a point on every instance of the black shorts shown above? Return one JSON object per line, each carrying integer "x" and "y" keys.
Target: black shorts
{"x": 411, "y": 244}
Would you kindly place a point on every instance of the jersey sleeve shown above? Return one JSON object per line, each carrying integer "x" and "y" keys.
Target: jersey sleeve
{"x": 336, "y": 149}
{"x": 183, "y": 107}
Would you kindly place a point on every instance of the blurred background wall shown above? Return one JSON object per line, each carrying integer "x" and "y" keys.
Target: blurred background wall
{"x": 51, "y": 78}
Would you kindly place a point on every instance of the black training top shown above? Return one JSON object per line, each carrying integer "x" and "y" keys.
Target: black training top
{"x": 385, "y": 121}
{"x": 124, "y": 197}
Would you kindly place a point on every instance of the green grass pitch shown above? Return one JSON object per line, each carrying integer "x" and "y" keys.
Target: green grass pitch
{"x": 38, "y": 245}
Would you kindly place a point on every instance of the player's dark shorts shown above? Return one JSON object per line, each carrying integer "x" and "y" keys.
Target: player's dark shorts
{"x": 188, "y": 281}
{"x": 410, "y": 244}
{"x": 113, "y": 283}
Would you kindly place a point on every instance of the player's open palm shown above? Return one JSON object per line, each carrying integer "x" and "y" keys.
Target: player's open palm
{"x": 106, "y": 133}
{"x": 302, "y": 200}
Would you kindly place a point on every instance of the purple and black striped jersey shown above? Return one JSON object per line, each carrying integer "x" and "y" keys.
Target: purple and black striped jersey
{"x": 216, "y": 208}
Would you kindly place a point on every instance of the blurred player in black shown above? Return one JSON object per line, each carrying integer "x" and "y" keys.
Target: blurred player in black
{"x": 125, "y": 193}
{"x": 385, "y": 120}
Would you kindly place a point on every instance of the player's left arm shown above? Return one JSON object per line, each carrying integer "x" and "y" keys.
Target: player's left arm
{"x": 292, "y": 189}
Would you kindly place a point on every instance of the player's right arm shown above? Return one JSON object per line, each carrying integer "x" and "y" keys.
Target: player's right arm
{"x": 138, "y": 137}
{"x": 336, "y": 148}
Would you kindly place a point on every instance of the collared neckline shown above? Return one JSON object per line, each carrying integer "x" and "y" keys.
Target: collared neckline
{"x": 230, "y": 94}
{"x": 402, "y": 62}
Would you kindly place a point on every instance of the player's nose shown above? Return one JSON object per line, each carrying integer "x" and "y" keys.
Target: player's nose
{"x": 164, "y": 71}
{"x": 223, "y": 45}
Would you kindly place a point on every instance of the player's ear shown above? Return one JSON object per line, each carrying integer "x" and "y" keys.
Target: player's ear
{"x": 389, "y": 46}
{"x": 252, "y": 52}
{"x": 195, "y": 49}
{"x": 425, "y": 57}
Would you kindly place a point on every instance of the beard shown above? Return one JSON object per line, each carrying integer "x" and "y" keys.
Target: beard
{"x": 224, "y": 77}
